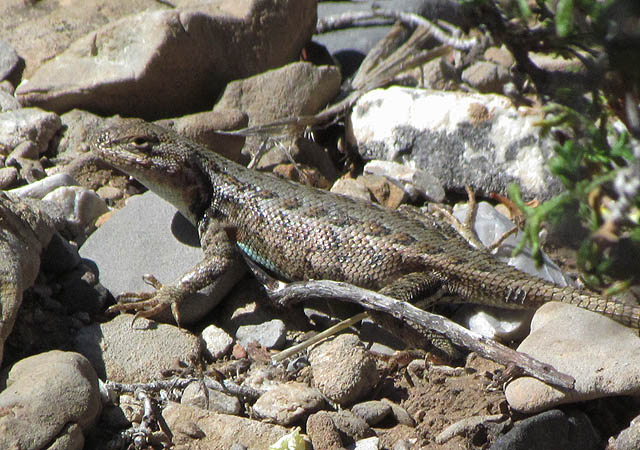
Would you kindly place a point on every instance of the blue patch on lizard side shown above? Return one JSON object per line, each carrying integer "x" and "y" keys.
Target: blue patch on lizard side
{"x": 258, "y": 259}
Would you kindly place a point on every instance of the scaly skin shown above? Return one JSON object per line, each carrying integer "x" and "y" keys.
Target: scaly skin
{"x": 302, "y": 233}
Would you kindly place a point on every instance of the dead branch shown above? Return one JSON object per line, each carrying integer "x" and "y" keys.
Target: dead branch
{"x": 286, "y": 294}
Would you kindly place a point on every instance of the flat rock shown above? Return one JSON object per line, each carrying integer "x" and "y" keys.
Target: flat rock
{"x": 579, "y": 343}
{"x": 288, "y": 402}
{"x": 166, "y": 63}
{"x": 49, "y": 401}
{"x": 194, "y": 395}
{"x": 269, "y": 334}
{"x": 342, "y": 369}
{"x": 196, "y": 429}
{"x": 164, "y": 244}
{"x": 462, "y": 139}
{"x": 120, "y": 352}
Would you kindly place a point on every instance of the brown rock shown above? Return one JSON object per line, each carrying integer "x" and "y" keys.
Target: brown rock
{"x": 197, "y": 429}
{"x": 202, "y": 127}
{"x": 323, "y": 433}
{"x": 166, "y": 63}
{"x": 296, "y": 89}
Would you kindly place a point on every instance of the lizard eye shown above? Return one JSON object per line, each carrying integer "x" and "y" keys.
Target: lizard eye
{"x": 141, "y": 142}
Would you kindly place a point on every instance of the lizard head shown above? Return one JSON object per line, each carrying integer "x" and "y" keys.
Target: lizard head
{"x": 158, "y": 158}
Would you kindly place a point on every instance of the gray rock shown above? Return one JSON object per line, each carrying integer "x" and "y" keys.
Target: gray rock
{"x": 342, "y": 369}
{"x": 499, "y": 323}
{"x": 120, "y": 352}
{"x": 467, "y": 426}
{"x": 461, "y": 139}
{"x": 500, "y": 55}
{"x": 28, "y": 125}
{"x": 165, "y": 245}
{"x": 203, "y": 128}
{"x": 628, "y": 438}
{"x": 215, "y": 431}
{"x": 296, "y": 89}
{"x": 288, "y": 403}
{"x": 551, "y": 430}
{"x": 109, "y": 193}
{"x": 270, "y": 334}
{"x": 415, "y": 182}
{"x": 50, "y": 399}
{"x": 194, "y": 395}
{"x": 26, "y": 149}
{"x": 585, "y": 354}
{"x": 9, "y": 61}
{"x": 29, "y": 169}
{"x": 26, "y": 230}
{"x": 78, "y": 127}
{"x": 486, "y": 76}
{"x": 217, "y": 342}
{"x": 165, "y": 63}
{"x": 80, "y": 206}
{"x": 401, "y": 415}
{"x": 372, "y": 412}
{"x": 8, "y": 102}
{"x": 350, "y": 426}
{"x": 8, "y": 177}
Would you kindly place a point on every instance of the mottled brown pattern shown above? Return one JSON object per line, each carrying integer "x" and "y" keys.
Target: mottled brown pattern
{"x": 291, "y": 203}
{"x": 299, "y": 232}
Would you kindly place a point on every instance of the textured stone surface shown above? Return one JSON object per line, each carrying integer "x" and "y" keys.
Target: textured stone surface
{"x": 206, "y": 430}
{"x": 342, "y": 369}
{"x": 169, "y": 62}
{"x": 460, "y": 139}
{"x": 120, "y": 352}
{"x": 49, "y": 398}
{"x": 288, "y": 403}
{"x": 579, "y": 343}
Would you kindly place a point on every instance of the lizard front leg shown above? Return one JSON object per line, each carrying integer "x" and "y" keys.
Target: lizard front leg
{"x": 220, "y": 257}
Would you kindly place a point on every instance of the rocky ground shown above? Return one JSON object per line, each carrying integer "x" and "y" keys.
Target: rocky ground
{"x": 74, "y": 233}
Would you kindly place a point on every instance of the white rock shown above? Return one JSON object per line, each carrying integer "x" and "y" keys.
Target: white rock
{"x": 217, "y": 342}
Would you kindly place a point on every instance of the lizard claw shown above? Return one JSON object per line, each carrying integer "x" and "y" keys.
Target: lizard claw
{"x": 149, "y": 304}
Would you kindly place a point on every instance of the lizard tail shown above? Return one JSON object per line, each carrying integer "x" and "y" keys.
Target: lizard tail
{"x": 626, "y": 314}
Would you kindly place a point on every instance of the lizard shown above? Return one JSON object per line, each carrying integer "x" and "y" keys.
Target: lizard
{"x": 298, "y": 233}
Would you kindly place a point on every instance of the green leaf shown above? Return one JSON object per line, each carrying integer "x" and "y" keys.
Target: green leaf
{"x": 525, "y": 11}
{"x": 564, "y": 18}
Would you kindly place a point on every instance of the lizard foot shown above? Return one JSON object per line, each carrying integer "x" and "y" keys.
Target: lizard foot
{"x": 150, "y": 304}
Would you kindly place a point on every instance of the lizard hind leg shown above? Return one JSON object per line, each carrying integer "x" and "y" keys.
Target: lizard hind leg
{"x": 422, "y": 289}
